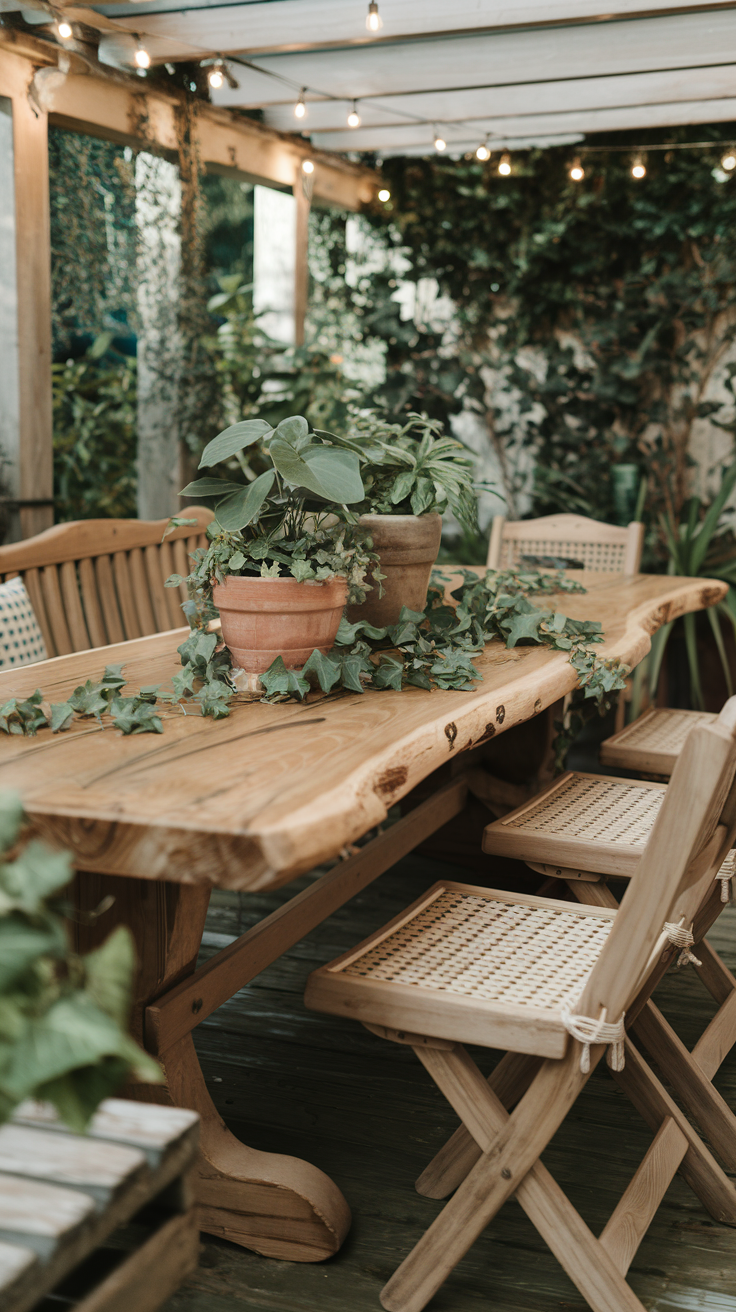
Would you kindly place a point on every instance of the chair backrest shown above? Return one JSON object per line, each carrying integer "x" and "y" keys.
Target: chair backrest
{"x": 690, "y": 838}
{"x": 604, "y": 547}
{"x": 98, "y": 581}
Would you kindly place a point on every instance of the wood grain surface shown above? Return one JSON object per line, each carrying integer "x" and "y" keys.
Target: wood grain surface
{"x": 251, "y": 801}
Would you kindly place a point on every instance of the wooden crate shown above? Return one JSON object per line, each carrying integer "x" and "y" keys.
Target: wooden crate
{"x": 103, "y": 1222}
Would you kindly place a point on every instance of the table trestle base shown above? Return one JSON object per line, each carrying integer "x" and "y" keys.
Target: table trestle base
{"x": 276, "y": 1205}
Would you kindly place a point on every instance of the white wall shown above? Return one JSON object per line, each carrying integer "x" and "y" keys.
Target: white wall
{"x": 157, "y": 207}
{"x": 274, "y": 262}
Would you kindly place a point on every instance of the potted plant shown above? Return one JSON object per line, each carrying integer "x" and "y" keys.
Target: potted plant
{"x": 284, "y": 556}
{"x": 412, "y": 474}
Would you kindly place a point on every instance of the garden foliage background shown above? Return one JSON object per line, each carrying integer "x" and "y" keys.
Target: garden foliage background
{"x": 558, "y": 327}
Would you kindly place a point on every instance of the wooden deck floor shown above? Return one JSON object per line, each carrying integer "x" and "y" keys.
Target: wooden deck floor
{"x": 365, "y": 1111}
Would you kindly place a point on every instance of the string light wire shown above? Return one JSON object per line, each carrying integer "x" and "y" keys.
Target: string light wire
{"x": 142, "y": 60}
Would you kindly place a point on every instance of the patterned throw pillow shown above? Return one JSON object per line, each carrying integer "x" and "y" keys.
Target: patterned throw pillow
{"x": 21, "y": 640}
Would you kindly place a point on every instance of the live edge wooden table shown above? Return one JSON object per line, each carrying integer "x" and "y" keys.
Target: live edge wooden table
{"x": 249, "y": 803}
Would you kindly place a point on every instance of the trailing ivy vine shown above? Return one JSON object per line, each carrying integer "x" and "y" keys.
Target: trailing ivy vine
{"x": 430, "y": 649}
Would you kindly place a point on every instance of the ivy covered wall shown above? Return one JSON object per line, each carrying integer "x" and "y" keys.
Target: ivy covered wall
{"x": 560, "y": 327}
{"x": 594, "y": 321}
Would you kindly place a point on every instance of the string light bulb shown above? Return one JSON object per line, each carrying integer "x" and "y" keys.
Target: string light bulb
{"x": 300, "y": 109}
{"x": 307, "y": 166}
{"x": 353, "y": 118}
{"x": 577, "y": 172}
{"x": 483, "y": 153}
{"x": 373, "y": 22}
{"x": 384, "y": 194}
{"x": 64, "y": 29}
{"x": 728, "y": 161}
{"x": 638, "y": 168}
{"x": 141, "y": 58}
{"x": 439, "y": 142}
{"x": 216, "y": 76}
{"x": 504, "y": 164}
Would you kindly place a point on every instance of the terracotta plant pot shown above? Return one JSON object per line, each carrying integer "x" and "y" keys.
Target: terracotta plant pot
{"x": 407, "y": 546}
{"x": 266, "y": 618}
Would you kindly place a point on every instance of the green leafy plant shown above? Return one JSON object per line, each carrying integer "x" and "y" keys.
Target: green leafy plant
{"x": 700, "y": 545}
{"x": 291, "y": 520}
{"x": 63, "y": 1017}
{"x": 94, "y": 408}
{"x": 413, "y": 469}
{"x": 435, "y": 648}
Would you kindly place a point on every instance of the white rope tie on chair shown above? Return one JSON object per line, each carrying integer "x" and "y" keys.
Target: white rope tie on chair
{"x": 681, "y": 938}
{"x": 726, "y": 874}
{"x": 588, "y": 1031}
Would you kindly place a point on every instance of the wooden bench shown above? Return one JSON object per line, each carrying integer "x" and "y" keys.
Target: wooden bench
{"x": 94, "y": 582}
{"x": 105, "y": 1221}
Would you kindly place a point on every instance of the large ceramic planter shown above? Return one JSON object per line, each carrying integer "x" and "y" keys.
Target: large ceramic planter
{"x": 266, "y": 618}
{"x": 407, "y": 546}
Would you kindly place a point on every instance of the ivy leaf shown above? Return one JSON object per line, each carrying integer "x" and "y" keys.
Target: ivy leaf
{"x": 89, "y": 699}
{"x": 418, "y": 678}
{"x": 301, "y": 570}
{"x": 214, "y": 698}
{"x": 523, "y": 626}
{"x": 131, "y": 715}
{"x": 174, "y": 580}
{"x": 62, "y": 714}
{"x": 347, "y": 633}
{"x": 325, "y": 671}
{"x": 198, "y": 648}
{"x": 389, "y": 674}
{"x": 277, "y": 679}
{"x": 351, "y": 668}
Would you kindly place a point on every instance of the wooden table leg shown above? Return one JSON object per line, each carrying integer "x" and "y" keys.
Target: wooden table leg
{"x": 277, "y": 1205}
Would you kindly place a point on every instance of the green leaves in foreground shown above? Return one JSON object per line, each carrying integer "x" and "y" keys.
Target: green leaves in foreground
{"x": 436, "y": 648}
{"x": 63, "y": 1018}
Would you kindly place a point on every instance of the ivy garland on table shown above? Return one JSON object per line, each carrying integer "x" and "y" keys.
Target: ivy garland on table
{"x": 430, "y": 649}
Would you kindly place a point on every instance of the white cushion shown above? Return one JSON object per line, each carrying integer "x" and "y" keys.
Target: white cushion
{"x": 21, "y": 639}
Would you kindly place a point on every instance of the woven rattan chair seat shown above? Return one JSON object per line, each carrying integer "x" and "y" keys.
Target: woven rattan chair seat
{"x": 652, "y": 744}
{"x": 464, "y": 960}
{"x": 588, "y": 821}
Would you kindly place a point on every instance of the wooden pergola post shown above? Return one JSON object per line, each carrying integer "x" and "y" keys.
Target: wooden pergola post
{"x": 303, "y": 198}
{"x": 28, "y": 441}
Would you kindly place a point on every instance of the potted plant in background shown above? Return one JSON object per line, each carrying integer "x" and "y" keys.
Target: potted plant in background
{"x": 284, "y": 553}
{"x": 412, "y": 474}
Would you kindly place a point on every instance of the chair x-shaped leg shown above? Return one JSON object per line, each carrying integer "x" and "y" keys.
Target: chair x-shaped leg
{"x": 690, "y": 1074}
{"x": 496, "y": 1154}
{"x": 482, "y": 1106}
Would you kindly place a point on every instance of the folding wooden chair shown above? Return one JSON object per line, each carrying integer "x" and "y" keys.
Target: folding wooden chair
{"x": 586, "y": 826}
{"x": 585, "y": 543}
{"x": 550, "y": 981}
{"x": 652, "y": 743}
